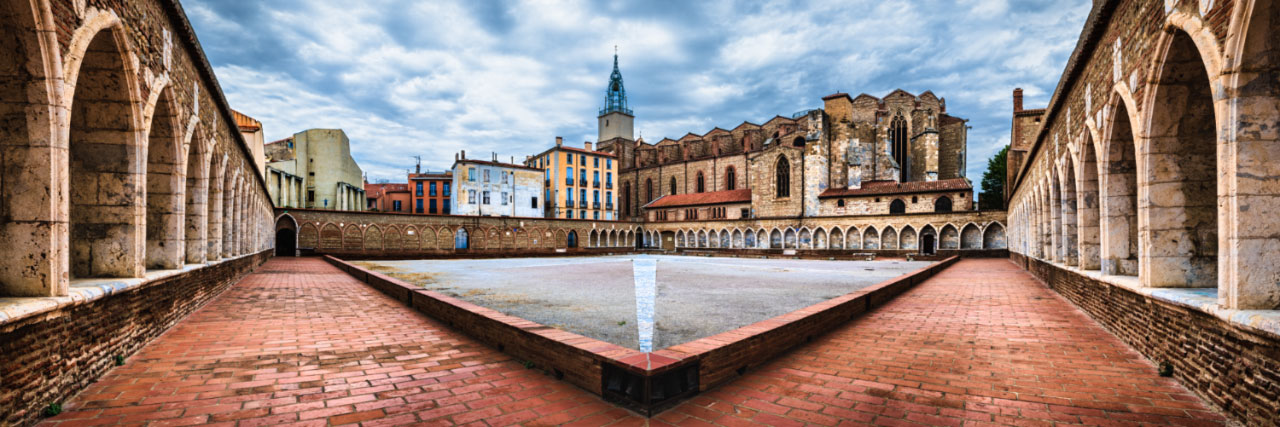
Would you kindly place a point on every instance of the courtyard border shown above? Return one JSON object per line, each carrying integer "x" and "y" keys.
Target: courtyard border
{"x": 644, "y": 382}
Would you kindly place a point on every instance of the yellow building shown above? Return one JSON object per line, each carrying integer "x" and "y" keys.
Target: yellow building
{"x": 579, "y": 181}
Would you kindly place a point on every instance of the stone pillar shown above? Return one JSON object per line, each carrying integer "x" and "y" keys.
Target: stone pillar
{"x": 197, "y": 222}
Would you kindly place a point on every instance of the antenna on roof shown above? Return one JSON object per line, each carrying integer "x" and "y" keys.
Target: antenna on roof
{"x": 417, "y": 169}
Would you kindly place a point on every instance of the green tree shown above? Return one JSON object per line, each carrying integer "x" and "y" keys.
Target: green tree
{"x": 992, "y": 196}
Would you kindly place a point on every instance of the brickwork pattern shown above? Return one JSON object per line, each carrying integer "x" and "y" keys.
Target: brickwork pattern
{"x": 302, "y": 343}
{"x": 50, "y": 358}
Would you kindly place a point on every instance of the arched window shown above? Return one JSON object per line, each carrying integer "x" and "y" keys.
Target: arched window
{"x": 730, "y": 179}
{"x": 943, "y": 204}
{"x": 673, "y": 186}
{"x": 701, "y": 183}
{"x": 798, "y": 142}
{"x": 897, "y": 206}
{"x": 648, "y": 190}
{"x": 782, "y": 178}
{"x": 898, "y": 137}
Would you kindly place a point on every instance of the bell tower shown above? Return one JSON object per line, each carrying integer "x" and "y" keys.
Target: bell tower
{"x": 616, "y": 119}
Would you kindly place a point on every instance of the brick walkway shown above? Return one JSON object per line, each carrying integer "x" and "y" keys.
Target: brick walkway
{"x": 300, "y": 342}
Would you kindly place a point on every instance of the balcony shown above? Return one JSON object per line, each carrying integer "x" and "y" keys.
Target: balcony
{"x": 608, "y": 206}
{"x": 608, "y": 185}
{"x": 595, "y": 205}
{"x": 568, "y": 182}
{"x": 595, "y": 184}
{"x": 582, "y": 204}
{"x": 582, "y": 183}
{"x": 546, "y": 183}
{"x": 568, "y": 203}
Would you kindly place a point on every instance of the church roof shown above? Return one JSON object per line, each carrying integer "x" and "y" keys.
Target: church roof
{"x": 699, "y": 199}
{"x": 877, "y": 188}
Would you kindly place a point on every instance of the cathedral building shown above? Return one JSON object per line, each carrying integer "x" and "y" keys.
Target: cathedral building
{"x": 854, "y": 156}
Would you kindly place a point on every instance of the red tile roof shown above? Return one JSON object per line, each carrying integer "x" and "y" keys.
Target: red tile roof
{"x": 245, "y": 122}
{"x": 872, "y": 188}
{"x": 697, "y": 199}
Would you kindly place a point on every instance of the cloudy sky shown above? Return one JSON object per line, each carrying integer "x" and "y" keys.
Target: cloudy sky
{"x": 407, "y": 78}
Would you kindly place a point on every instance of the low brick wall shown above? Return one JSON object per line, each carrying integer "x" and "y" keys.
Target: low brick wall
{"x": 585, "y": 362}
{"x": 1232, "y": 366}
{"x": 362, "y": 254}
{"x": 49, "y": 357}
{"x": 846, "y": 254}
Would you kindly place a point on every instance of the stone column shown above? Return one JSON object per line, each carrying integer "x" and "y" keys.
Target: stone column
{"x": 197, "y": 222}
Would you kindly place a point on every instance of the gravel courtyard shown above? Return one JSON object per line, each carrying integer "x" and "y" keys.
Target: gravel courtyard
{"x": 596, "y": 296}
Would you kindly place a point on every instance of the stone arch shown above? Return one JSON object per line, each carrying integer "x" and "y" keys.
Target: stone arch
{"x": 105, "y": 163}
{"x": 522, "y": 238}
{"x": 749, "y": 240}
{"x": 571, "y": 239}
{"x": 702, "y": 239}
{"x": 1251, "y": 109}
{"x": 433, "y": 238}
{"x": 1178, "y": 215}
{"x": 928, "y": 240}
{"x": 804, "y": 239}
{"x": 217, "y": 169}
{"x": 775, "y": 239}
{"x": 411, "y": 239}
{"x": 897, "y": 206}
{"x": 1087, "y": 204}
{"x": 476, "y": 237}
{"x": 165, "y": 189}
{"x": 942, "y": 204}
{"x": 725, "y": 239}
{"x": 493, "y": 238}
{"x": 228, "y": 219}
{"x": 836, "y": 238}
{"x": 353, "y": 238}
{"x": 593, "y": 239}
{"x": 1069, "y": 206}
{"x": 391, "y": 239}
{"x": 459, "y": 240}
{"x": 737, "y": 239}
{"x": 762, "y": 239}
{"x": 789, "y": 239}
{"x": 508, "y": 238}
{"x": 31, "y": 72}
{"x": 889, "y": 238}
{"x": 680, "y": 242}
{"x": 330, "y": 236}
{"x": 196, "y": 229}
{"x": 286, "y": 236}
{"x": 949, "y": 238}
{"x": 820, "y": 239}
{"x": 308, "y": 236}
{"x": 908, "y": 237}
{"x": 970, "y": 237}
{"x": 1119, "y": 195}
{"x": 993, "y": 237}
{"x": 562, "y": 239}
{"x": 870, "y": 238}
{"x": 1053, "y": 209}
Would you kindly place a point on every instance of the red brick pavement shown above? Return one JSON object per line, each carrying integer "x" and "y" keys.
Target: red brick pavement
{"x": 300, "y": 343}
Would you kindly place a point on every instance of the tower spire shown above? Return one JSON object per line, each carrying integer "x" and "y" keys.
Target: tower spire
{"x": 615, "y": 98}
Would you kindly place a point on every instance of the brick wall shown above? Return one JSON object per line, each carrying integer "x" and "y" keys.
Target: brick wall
{"x": 48, "y": 358}
{"x": 1232, "y": 367}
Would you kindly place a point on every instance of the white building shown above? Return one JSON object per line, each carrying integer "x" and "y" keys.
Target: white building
{"x": 492, "y": 188}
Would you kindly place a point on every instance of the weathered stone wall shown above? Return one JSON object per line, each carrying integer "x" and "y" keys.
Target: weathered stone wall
{"x": 1231, "y": 366}
{"x": 127, "y": 157}
{"x": 48, "y": 358}
{"x": 1156, "y": 151}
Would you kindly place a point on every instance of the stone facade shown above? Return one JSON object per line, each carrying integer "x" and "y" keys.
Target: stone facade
{"x": 317, "y": 164}
{"x": 116, "y": 97}
{"x": 1156, "y": 157}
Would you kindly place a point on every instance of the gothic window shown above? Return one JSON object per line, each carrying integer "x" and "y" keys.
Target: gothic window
{"x": 897, "y": 206}
{"x": 673, "y": 186}
{"x": 782, "y": 172}
{"x": 942, "y": 205}
{"x": 898, "y": 138}
{"x": 730, "y": 178}
{"x": 701, "y": 183}
{"x": 648, "y": 190}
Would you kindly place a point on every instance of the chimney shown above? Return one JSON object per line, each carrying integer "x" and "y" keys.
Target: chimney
{"x": 559, "y": 141}
{"x": 1017, "y": 100}
{"x": 495, "y": 157}
{"x": 464, "y": 154}
{"x": 587, "y": 145}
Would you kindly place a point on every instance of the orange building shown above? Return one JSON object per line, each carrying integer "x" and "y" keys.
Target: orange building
{"x": 432, "y": 192}
{"x": 387, "y": 197}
